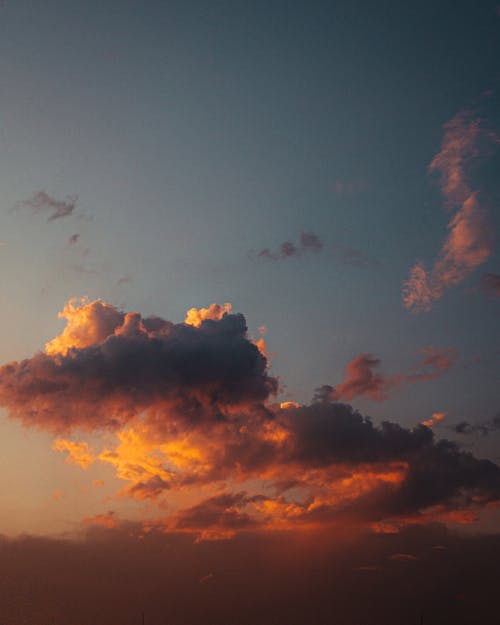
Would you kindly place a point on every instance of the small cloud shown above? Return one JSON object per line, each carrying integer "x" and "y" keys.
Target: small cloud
{"x": 308, "y": 242}
{"x": 435, "y": 419}
{"x": 42, "y": 202}
{"x": 466, "y": 428}
{"x": 86, "y": 271}
{"x": 127, "y": 279}
{"x": 369, "y": 568}
{"x": 107, "y": 520}
{"x": 490, "y": 284}
{"x": 349, "y": 187}
{"x": 207, "y": 578}
{"x": 403, "y": 557}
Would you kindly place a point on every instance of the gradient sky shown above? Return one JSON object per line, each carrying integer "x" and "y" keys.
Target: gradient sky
{"x": 330, "y": 169}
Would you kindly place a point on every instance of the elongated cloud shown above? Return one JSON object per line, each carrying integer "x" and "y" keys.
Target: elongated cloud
{"x": 469, "y": 242}
{"x": 484, "y": 428}
{"x": 436, "y": 419}
{"x": 42, "y": 202}
{"x": 363, "y": 379}
{"x": 184, "y": 411}
{"x": 308, "y": 242}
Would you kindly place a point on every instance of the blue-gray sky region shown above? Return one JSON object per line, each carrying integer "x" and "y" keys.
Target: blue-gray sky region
{"x": 151, "y": 151}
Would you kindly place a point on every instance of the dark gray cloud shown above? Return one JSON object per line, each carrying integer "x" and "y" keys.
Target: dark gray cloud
{"x": 308, "y": 242}
{"x": 143, "y": 363}
{"x": 485, "y": 428}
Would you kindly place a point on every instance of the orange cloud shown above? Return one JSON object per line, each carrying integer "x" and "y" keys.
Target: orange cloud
{"x": 196, "y": 316}
{"x": 435, "y": 419}
{"x": 107, "y": 520}
{"x": 87, "y": 323}
{"x": 469, "y": 242}
{"x": 189, "y": 425}
{"x": 78, "y": 453}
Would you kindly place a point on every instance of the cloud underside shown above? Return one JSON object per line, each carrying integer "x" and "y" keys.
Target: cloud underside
{"x": 111, "y": 577}
{"x": 191, "y": 409}
{"x": 469, "y": 242}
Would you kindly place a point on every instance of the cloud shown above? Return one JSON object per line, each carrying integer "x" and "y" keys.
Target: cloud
{"x": 308, "y": 242}
{"x": 469, "y": 242}
{"x": 126, "y": 279}
{"x": 108, "y": 366}
{"x": 362, "y": 380}
{"x": 466, "y": 428}
{"x": 107, "y": 520}
{"x": 184, "y": 413}
{"x": 196, "y": 316}
{"x": 435, "y": 419}
{"x": 78, "y": 453}
{"x": 403, "y": 557}
{"x": 42, "y": 202}
{"x": 490, "y": 284}
{"x": 253, "y": 579}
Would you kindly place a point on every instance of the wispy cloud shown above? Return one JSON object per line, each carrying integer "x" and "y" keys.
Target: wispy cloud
{"x": 42, "y": 202}
{"x": 362, "y": 378}
{"x": 308, "y": 242}
{"x": 469, "y": 242}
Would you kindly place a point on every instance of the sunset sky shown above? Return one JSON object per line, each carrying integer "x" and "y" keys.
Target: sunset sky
{"x": 250, "y": 355}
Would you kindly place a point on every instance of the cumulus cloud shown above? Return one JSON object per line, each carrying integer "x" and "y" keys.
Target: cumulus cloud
{"x": 42, "y": 202}
{"x": 108, "y": 366}
{"x": 196, "y": 316}
{"x": 186, "y": 410}
{"x": 308, "y": 242}
{"x": 469, "y": 242}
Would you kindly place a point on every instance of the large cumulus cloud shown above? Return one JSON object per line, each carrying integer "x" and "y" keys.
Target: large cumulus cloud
{"x": 190, "y": 406}
{"x": 108, "y": 367}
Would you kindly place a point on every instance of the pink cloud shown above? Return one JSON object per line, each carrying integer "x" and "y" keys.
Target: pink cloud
{"x": 469, "y": 242}
{"x": 362, "y": 381}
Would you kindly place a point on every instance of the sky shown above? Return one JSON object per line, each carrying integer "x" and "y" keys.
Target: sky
{"x": 250, "y": 356}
